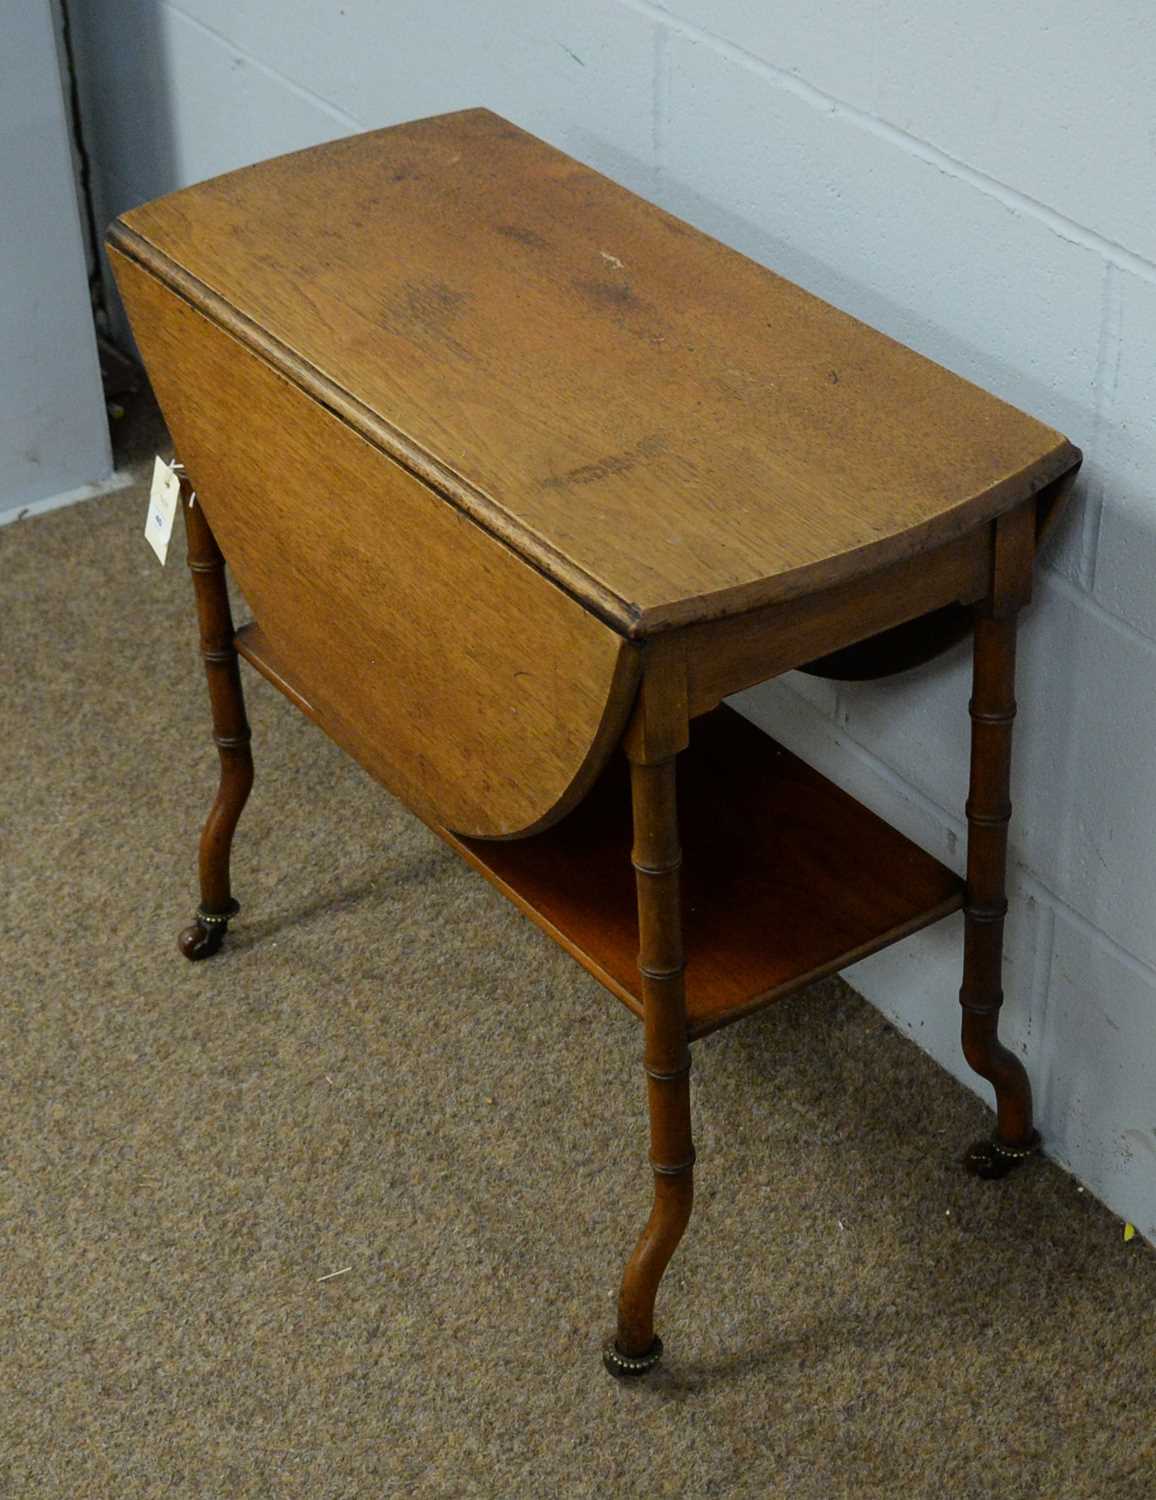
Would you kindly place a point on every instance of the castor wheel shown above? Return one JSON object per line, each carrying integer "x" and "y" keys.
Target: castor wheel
{"x": 625, "y": 1367}
{"x": 991, "y": 1159}
{"x": 205, "y": 936}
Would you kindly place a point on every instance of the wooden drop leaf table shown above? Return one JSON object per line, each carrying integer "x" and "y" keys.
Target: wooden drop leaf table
{"x": 517, "y": 471}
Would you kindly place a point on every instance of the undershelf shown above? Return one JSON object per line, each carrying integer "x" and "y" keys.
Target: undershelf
{"x": 785, "y": 878}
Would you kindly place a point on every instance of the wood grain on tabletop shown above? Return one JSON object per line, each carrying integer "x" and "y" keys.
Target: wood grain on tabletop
{"x": 480, "y": 693}
{"x": 669, "y": 430}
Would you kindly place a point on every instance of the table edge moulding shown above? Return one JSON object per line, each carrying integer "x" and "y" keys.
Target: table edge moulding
{"x": 516, "y": 472}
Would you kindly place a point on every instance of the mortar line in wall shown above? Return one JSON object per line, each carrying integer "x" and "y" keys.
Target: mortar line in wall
{"x": 1012, "y": 198}
{"x": 1086, "y": 929}
{"x": 1090, "y": 522}
{"x": 1108, "y": 373}
{"x": 1041, "y": 979}
{"x": 1105, "y": 392}
{"x": 1041, "y": 997}
{"x": 838, "y": 702}
{"x": 1091, "y": 549}
{"x": 924, "y": 800}
{"x": 341, "y": 115}
{"x": 843, "y": 739}
{"x": 1105, "y": 616}
{"x": 660, "y": 92}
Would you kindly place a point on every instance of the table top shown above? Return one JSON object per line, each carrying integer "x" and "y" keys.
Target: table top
{"x": 666, "y": 429}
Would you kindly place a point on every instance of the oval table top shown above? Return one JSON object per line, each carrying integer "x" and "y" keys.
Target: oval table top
{"x": 668, "y": 431}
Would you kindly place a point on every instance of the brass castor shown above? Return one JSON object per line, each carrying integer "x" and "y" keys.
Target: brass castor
{"x": 991, "y": 1159}
{"x": 207, "y": 933}
{"x": 627, "y": 1367}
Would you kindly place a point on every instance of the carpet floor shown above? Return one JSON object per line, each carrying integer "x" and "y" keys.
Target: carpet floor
{"x": 390, "y": 1074}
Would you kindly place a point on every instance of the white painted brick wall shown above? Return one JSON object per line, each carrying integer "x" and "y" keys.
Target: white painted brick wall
{"x": 976, "y": 180}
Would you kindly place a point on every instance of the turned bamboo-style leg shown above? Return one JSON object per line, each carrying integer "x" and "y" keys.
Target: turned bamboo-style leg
{"x": 652, "y": 748}
{"x": 993, "y": 711}
{"x": 230, "y": 733}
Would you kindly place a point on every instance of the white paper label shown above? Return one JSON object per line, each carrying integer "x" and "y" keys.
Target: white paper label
{"x": 164, "y": 495}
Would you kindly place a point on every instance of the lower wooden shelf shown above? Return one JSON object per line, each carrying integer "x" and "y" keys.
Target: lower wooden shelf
{"x": 785, "y": 877}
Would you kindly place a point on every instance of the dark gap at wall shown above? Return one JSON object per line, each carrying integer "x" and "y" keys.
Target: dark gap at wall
{"x": 84, "y": 174}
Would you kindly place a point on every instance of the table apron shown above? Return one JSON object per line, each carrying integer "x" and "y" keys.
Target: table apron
{"x": 725, "y": 656}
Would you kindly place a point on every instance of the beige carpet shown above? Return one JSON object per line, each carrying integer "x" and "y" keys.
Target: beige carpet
{"x": 389, "y": 1070}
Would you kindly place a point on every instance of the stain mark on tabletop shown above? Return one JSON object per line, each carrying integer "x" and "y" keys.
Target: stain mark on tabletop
{"x": 426, "y": 308}
{"x": 630, "y": 312}
{"x": 615, "y": 295}
{"x": 574, "y": 55}
{"x": 523, "y": 236}
{"x": 608, "y": 467}
{"x": 433, "y": 299}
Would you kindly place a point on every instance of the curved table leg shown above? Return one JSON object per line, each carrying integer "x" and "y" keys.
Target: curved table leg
{"x": 230, "y": 734}
{"x": 656, "y": 857}
{"x": 988, "y": 813}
